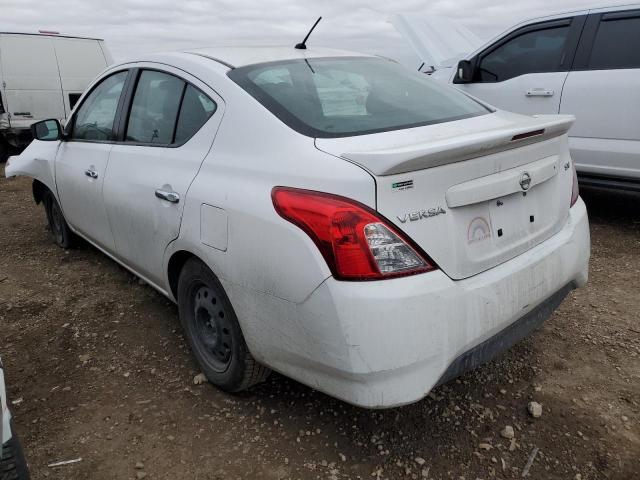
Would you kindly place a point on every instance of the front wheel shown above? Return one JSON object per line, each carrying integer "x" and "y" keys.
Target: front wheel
{"x": 213, "y": 331}
{"x": 62, "y": 234}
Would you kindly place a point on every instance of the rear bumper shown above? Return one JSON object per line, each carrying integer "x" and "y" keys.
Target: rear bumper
{"x": 384, "y": 344}
{"x": 506, "y": 338}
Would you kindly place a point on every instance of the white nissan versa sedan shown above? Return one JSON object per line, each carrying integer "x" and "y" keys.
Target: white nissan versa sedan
{"x": 335, "y": 217}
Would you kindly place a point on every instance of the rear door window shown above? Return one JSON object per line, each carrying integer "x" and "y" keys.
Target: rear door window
{"x": 196, "y": 109}
{"x": 155, "y": 107}
{"x": 616, "y": 43}
{"x": 536, "y": 51}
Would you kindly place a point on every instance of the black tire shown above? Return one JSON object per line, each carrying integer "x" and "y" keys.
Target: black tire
{"x": 62, "y": 234}
{"x": 212, "y": 329}
{"x": 5, "y": 151}
{"x": 12, "y": 463}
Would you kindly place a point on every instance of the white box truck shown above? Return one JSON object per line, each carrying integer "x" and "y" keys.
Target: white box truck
{"x": 42, "y": 75}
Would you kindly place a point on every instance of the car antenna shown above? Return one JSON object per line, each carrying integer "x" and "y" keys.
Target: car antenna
{"x": 303, "y": 44}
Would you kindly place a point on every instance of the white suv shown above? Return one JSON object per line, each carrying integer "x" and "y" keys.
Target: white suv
{"x": 585, "y": 63}
{"x": 359, "y": 227}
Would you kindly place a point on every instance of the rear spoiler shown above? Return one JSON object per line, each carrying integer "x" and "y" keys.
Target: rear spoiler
{"x": 461, "y": 147}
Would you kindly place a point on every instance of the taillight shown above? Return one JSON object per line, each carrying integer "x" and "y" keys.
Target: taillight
{"x": 355, "y": 241}
{"x": 575, "y": 190}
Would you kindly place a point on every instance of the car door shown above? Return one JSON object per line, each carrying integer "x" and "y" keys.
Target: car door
{"x": 172, "y": 122}
{"x": 603, "y": 92}
{"x": 525, "y": 70}
{"x": 81, "y": 161}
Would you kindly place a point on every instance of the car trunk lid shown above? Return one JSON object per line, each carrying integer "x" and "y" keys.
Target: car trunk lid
{"x": 471, "y": 193}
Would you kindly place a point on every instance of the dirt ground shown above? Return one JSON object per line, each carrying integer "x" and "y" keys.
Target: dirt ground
{"x": 98, "y": 369}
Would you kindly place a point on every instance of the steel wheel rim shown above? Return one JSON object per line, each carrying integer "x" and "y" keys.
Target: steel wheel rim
{"x": 212, "y": 328}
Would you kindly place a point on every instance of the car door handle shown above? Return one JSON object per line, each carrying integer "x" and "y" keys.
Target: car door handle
{"x": 172, "y": 197}
{"x": 539, "y": 92}
{"x": 91, "y": 173}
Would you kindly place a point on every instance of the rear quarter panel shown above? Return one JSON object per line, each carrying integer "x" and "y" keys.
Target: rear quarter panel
{"x": 253, "y": 153}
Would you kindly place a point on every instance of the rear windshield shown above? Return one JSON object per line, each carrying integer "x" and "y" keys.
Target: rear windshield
{"x": 340, "y": 97}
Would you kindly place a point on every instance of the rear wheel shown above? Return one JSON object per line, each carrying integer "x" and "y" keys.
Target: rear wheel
{"x": 62, "y": 234}
{"x": 213, "y": 331}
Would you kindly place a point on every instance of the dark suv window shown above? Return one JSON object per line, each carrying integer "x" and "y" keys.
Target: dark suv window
{"x": 531, "y": 52}
{"x": 617, "y": 43}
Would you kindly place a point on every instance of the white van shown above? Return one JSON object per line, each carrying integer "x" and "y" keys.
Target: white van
{"x": 42, "y": 75}
{"x": 585, "y": 63}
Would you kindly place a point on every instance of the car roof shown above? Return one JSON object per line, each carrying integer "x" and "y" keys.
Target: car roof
{"x": 234, "y": 57}
{"x": 583, "y": 11}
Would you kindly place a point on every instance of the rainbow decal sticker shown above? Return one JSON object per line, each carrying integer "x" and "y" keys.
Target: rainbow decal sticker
{"x": 478, "y": 230}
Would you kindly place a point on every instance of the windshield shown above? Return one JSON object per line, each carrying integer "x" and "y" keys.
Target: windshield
{"x": 339, "y": 97}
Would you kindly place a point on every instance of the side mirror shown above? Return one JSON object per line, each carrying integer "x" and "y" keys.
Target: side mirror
{"x": 465, "y": 72}
{"x": 47, "y": 130}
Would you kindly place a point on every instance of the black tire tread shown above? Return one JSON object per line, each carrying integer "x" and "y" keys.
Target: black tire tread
{"x": 254, "y": 373}
{"x": 8, "y": 467}
{"x": 12, "y": 465}
{"x": 4, "y": 156}
{"x": 69, "y": 238}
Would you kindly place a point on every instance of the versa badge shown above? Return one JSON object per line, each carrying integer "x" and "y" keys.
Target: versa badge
{"x": 421, "y": 214}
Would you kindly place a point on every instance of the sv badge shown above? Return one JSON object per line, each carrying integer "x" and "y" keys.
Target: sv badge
{"x": 421, "y": 214}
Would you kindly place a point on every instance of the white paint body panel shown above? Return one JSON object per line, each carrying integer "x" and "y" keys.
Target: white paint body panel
{"x": 511, "y": 95}
{"x": 296, "y": 318}
{"x": 606, "y": 136}
{"x": 214, "y": 227}
{"x": 81, "y": 196}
